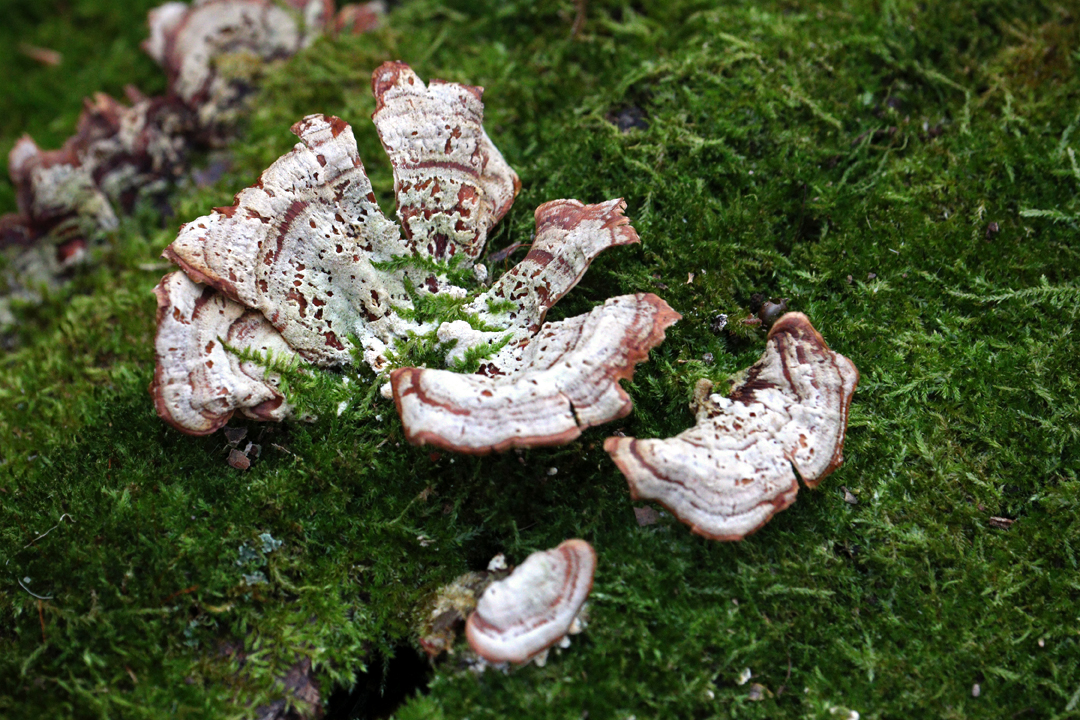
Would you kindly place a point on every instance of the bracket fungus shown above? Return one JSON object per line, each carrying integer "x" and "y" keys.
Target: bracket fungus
{"x": 308, "y": 248}
{"x": 518, "y": 618}
{"x": 730, "y": 473}
{"x": 211, "y": 50}
{"x": 198, "y": 381}
{"x": 192, "y": 41}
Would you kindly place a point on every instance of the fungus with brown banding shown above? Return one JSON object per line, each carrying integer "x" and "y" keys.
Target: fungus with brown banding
{"x": 519, "y": 618}
{"x": 309, "y": 249}
{"x": 736, "y": 468}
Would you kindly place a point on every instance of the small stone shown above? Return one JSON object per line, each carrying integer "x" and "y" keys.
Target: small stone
{"x": 630, "y": 118}
{"x": 849, "y": 498}
{"x": 552, "y": 471}
{"x": 235, "y": 434}
{"x": 239, "y": 460}
{"x": 646, "y": 516}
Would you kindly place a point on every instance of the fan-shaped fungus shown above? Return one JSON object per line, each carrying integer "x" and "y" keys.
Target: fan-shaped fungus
{"x": 730, "y": 473}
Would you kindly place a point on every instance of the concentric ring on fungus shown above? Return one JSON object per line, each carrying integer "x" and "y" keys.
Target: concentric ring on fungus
{"x": 521, "y": 616}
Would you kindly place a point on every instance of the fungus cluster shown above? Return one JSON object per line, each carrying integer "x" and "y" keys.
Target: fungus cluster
{"x": 304, "y": 268}
{"x": 730, "y": 473}
{"x": 212, "y": 51}
{"x": 308, "y": 250}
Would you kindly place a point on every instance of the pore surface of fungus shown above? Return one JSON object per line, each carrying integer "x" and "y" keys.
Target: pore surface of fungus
{"x": 730, "y": 473}
{"x": 308, "y": 248}
{"x": 518, "y": 618}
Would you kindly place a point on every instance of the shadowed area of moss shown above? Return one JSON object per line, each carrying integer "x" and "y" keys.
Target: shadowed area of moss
{"x": 904, "y": 173}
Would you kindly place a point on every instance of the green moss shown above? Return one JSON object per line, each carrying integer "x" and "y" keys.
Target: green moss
{"x": 849, "y": 157}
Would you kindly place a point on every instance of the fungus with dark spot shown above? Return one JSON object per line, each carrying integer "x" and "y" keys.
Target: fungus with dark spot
{"x": 728, "y": 475}
{"x": 517, "y": 619}
{"x": 308, "y": 249}
{"x": 199, "y": 382}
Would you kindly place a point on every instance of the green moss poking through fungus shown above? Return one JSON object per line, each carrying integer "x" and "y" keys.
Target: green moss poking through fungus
{"x": 902, "y": 172}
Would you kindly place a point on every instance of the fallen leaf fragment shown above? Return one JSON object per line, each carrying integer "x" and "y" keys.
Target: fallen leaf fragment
{"x": 359, "y": 18}
{"x": 728, "y": 475}
{"x": 646, "y": 516}
{"x": 45, "y": 56}
{"x": 239, "y": 460}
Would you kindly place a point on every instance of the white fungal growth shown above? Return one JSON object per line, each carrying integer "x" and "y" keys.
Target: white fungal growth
{"x": 518, "y": 618}
{"x": 308, "y": 248}
{"x": 730, "y": 473}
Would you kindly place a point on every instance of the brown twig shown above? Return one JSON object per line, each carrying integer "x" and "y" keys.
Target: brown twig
{"x": 41, "y": 616}
{"x": 178, "y": 593}
{"x": 579, "y": 19}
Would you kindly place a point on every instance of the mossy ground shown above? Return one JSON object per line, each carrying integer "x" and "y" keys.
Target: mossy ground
{"x": 789, "y": 145}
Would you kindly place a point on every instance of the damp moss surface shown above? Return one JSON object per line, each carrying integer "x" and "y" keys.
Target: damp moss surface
{"x": 905, "y": 173}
